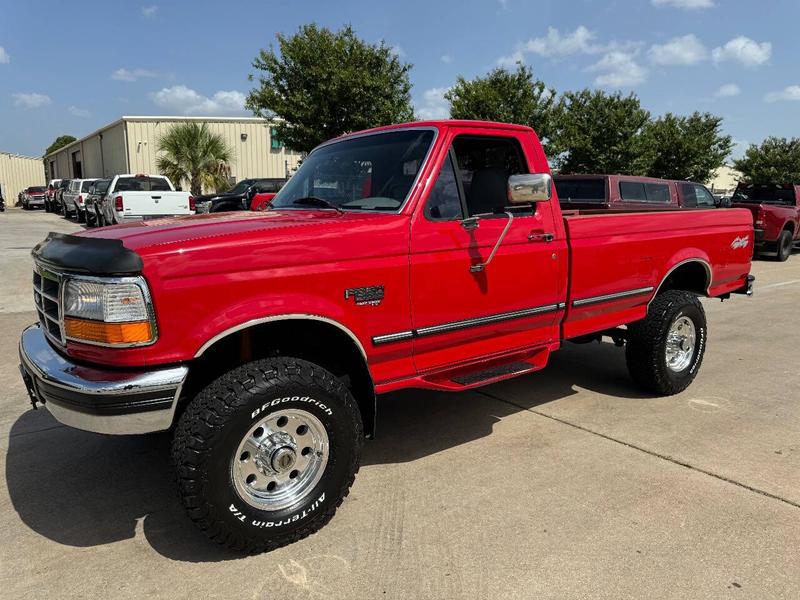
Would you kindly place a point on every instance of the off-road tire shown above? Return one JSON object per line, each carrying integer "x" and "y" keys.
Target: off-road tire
{"x": 645, "y": 351}
{"x": 214, "y": 423}
{"x": 784, "y": 246}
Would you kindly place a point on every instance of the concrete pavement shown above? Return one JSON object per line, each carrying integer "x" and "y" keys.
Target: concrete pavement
{"x": 567, "y": 483}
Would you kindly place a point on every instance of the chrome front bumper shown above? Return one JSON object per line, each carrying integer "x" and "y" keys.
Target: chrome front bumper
{"x": 103, "y": 400}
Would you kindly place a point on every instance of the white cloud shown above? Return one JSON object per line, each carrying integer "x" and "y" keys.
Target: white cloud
{"x": 685, "y": 4}
{"x": 619, "y": 68}
{"x": 580, "y": 41}
{"x": 729, "y": 90}
{"x": 790, "y": 93}
{"x": 434, "y": 105}
{"x": 79, "y": 112}
{"x": 745, "y": 51}
{"x": 31, "y": 100}
{"x": 446, "y": 58}
{"x": 684, "y": 50}
{"x": 149, "y": 11}
{"x": 132, "y": 74}
{"x": 185, "y": 101}
{"x": 4, "y": 57}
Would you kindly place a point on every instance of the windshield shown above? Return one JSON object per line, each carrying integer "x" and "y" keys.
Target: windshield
{"x": 101, "y": 186}
{"x": 371, "y": 172}
{"x": 85, "y": 185}
{"x": 767, "y": 194}
{"x": 581, "y": 190}
{"x": 241, "y": 187}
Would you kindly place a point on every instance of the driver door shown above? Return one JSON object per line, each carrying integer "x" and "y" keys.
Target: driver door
{"x": 462, "y": 314}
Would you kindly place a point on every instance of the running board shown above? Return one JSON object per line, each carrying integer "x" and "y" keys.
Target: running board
{"x": 508, "y": 370}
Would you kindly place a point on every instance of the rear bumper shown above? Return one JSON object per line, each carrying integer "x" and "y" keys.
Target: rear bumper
{"x": 101, "y": 400}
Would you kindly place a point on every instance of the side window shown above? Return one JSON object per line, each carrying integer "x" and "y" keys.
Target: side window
{"x": 657, "y": 192}
{"x": 484, "y": 164}
{"x": 444, "y": 202}
{"x": 704, "y": 197}
{"x": 632, "y": 191}
{"x": 688, "y": 195}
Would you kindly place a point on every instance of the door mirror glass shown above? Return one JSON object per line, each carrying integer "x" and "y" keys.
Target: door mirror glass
{"x": 536, "y": 187}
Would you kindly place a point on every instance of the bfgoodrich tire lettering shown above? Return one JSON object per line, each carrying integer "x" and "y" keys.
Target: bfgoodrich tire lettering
{"x": 211, "y": 429}
{"x": 646, "y": 350}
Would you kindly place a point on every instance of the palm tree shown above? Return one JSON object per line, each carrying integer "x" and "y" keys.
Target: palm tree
{"x": 192, "y": 152}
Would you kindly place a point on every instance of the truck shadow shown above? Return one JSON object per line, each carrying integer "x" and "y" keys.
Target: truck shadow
{"x": 82, "y": 489}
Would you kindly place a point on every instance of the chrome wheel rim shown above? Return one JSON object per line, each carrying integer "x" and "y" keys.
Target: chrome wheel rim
{"x": 280, "y": 459}
{"x": 681, "y": 340}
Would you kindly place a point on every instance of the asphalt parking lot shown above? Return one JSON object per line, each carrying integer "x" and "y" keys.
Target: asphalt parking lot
{"x": 567, "y": 483}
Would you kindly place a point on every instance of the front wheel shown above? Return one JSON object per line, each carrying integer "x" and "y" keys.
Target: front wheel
{"x": 665, "y": 350}
{"x": 266, "y": 453}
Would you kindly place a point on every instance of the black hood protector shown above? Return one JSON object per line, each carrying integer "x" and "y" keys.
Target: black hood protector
{"x": 94, "y": 256}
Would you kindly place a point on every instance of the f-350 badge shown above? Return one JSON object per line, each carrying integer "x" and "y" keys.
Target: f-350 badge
{"x": 365, "y": 296}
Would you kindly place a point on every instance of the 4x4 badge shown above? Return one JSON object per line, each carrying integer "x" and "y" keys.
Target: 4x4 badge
{"x": 365, "y": 296}
{"x": 740, "y": 242}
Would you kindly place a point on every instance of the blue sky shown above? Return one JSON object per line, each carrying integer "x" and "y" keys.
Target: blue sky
{"x": 70, "y": 67}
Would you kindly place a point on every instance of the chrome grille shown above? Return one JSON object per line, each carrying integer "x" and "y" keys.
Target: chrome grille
{"x": 47, "y": 298}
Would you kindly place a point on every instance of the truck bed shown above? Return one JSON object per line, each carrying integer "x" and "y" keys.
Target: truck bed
{"x": 619, "y": 259}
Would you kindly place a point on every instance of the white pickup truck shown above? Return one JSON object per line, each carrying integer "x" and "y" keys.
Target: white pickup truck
{"x": 136, "y": 197}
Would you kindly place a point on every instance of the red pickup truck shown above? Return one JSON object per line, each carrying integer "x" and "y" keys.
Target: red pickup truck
{"x": 426, "y": 255}
{"x": 776, "y": 215}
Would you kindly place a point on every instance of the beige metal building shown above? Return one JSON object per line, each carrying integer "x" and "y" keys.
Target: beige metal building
{"x": 18, "y": 172}
{"x": 725, "y": 180}
{"x": 130, "y": 145}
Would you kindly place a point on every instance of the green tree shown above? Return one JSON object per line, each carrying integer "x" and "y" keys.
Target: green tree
{"x": 597, "y": 132}
{"x": 60, "y": 142}
{"x": 675, "y": 147}
{"x": 505, "y": 96}
{"x": 776, "y": 160}
{"x": 322, "y": 84}
{"x": 191, "y": 152}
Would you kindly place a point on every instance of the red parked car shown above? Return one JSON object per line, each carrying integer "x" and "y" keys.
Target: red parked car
{"x": 626, "y": 192}
{"x": 776, "y": 215}
{"x": 426, "y": 255}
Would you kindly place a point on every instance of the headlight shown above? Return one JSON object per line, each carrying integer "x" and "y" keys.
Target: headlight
{"x": 112, "y": 313}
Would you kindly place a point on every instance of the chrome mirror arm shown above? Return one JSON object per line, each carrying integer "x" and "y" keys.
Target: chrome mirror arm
{"x": 482, "y": 266}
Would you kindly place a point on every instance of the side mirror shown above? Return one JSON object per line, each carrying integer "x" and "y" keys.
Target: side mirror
{"x": 726, "y": 203}
{"x": 535, "y": 187}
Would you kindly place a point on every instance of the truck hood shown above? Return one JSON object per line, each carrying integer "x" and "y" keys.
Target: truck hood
{"x": 244, "y": 228}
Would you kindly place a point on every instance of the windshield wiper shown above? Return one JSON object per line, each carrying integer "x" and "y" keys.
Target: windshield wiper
{"x": 317, "y": 201}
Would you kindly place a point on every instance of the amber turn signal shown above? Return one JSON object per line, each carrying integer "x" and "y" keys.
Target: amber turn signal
{"x": 137, "y": 332}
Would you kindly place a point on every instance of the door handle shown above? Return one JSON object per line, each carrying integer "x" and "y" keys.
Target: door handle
{"x": 156, "y": 197}
{"x": 536, "y": 236}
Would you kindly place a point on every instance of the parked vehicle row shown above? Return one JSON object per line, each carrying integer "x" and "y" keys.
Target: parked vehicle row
{"x": 123, "y": 198}
{"x": 424, "y": 255}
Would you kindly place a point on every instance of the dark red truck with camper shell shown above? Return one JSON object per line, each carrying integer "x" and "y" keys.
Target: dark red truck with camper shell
{"x": 626, "y": 192}
{"x": 425, "y": 255}
{"x": 776, "y": 215}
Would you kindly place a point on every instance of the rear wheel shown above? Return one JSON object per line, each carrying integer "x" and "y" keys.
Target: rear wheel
{"x": 665, "y": 350}
{"x": 784, "y": 245}
{"x": 266, "y": 453}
